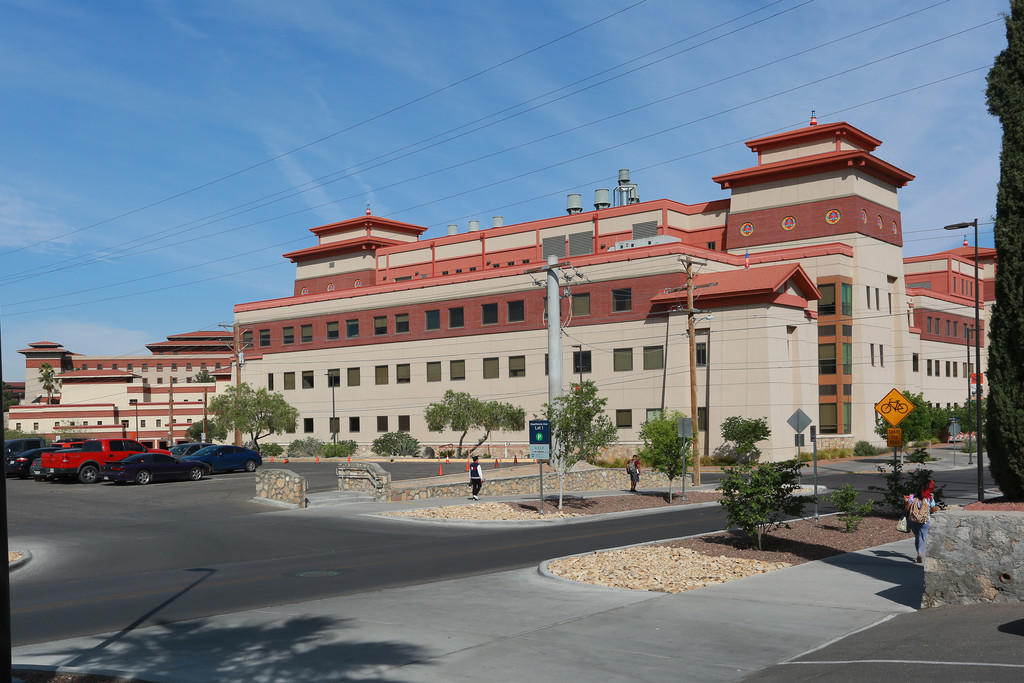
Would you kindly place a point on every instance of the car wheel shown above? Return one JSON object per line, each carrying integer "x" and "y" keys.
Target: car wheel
{"x": 195, "y": 474}
{"x": 89, "y": 474}
{"x": 143, "y": 477}
{"x": 250, "y": 465}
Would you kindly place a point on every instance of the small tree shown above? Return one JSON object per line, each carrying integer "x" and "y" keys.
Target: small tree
{"x": 9, "y": 399}
{"x": 745, "y": 433}
{"x": 899, "y": 485}
{"x": 580, "y": 429}
{"x": 305, "y": 448}
{"x": 50, "y": 381}
{"x": 758, "y": 500}
{"x": 663, "y": 448}
{"x": 72, "y": 431}
{"x": 341, "y": 449}
{"x": 256, "y": 412}
{"x": 203, "y": 377}
{"x": 460, "y": 412}
{"x": 271, "y": 450}
{"x": 215, "y": 431}
{"x": 395, "y": 444}
{"x": 851, "y": 512}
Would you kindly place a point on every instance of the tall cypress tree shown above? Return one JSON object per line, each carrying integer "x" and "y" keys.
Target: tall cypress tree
{"x": 1005, "y": 428}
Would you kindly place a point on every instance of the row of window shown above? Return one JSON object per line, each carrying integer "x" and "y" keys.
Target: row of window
{"x": 455, "y": 317}
{"x": 828, "y": 364}
{"x": 934, "y": 368}
{"x": 934, "y": 326}
{"x": 653, "y": 358}
{"x": 145, "y": 367}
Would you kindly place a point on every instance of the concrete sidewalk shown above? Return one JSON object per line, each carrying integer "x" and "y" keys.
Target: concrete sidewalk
{"x": 516, "y": 626}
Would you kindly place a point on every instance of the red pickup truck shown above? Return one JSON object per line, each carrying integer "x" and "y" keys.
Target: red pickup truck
{"x": 84, "y": 460}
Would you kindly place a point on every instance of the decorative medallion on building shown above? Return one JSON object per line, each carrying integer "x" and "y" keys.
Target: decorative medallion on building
{"x": 747, "y": 229}
{"x": 833, "y": 216}
{"x": 305, "y": 291}
{"x": 863, "y": 216}
{"x": 894, "y": 229}
{"x": 330, "y": 287}
{"x": 788, "y": 223}
{"x": 879, "y": 222}
{"x": 357, "y": 283}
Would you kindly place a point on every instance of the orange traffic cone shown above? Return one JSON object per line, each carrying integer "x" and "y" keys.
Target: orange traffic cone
{"x": 497, "y": 462}
{"x": 440, "y": 470}
{"x": 467, "y": 464}
{"x": 350, "y": 457}
{"x": 271, "y": 458}
{"x": 318, "y": 457}
{"x": 515, "y": 458}
{"x": 446, "y": 459}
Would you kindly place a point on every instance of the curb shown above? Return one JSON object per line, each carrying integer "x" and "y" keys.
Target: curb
{"x": 21, "y": 561}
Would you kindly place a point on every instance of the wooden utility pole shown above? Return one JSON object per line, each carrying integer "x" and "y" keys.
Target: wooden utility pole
{"x": 693, "y": 368}
{"x": 238, "y": 378}
{"x": 170, "y": 414}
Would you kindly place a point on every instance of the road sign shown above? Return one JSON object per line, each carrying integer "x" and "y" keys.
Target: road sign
{"x": 540, "y": 451}
{"x": 894, "y": 407}
{"x": 684, "y": 428}
{"x": 954, "y": 428}
{"x": 894, "y": 437}
{"x": 540, "y": 432}
{"x": 799, "y": 421}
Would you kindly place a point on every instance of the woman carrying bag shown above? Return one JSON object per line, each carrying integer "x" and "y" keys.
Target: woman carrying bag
{"x": 919, "y": 513}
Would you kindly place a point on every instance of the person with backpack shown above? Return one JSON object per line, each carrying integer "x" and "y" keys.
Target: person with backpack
{"x": 633, "y": 470}
{"x": 919, "y": 513}
{"x": 476, "y": 477}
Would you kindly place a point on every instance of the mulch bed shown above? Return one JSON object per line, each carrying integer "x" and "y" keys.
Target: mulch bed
{"x": 601, "y": 504}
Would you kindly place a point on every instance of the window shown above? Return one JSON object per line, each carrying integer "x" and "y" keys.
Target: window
{"x": 701, "y": 353}
{"x": 517, "y": 366}
{"x": 624, "y": 419}
{"x": 353, "y": 424}
{"x": 489, "y": 314}
{"x": 403, "y": 423}
{"x": 881, "y": 355}
{"x": 188, "y": 366}
{"x": 847, "y": 293}
{"x": 287, "y": 336}
{"x": 654, "y": 357}
{"x": 382, "y": 423}
{"x": 580, "y": 362}
{"x": 948, "y": 323}
{"x": 402, "y": 374}
{"x": 947, "y": 368}
{"x": 456, "y": 318}
{"x": 877, "y": 306}
{"x": 145, "y": 366}
{"x": 142, "y": 424}
{"x": 867, "y": 294}
{"x": 157, "y": 423}
{"x": 956, "y": 331}
{"x": 380, "y": 325}
{"x": 711, "y": 245}
{"x": 490, "y": 368}
{"x": 915, "y": 362}
{"x": 174, "y": 366}
{"x": 332, "y": 331}
{"x": 827, "y": 418}
{"x": 702, "y": 418}
{"x": 159, "y": 367}
{"x": 353, "y": 377}
{"x": 307, "y": 379}
{"x": 847, "y": 330}
{"x": 653, "y": 414}
{"x": 307, "y": 425}
{"x": 433, "y": 320}
{"x": 380, "y": 374}
{"x": 270, "y": 381}
{"x": 622, "y": 300}
{"x": 848, "y": 416}
{"x": 334, "y": 377}
{"x": 827, "y": 302}
{"x": 847, "y": 358}
{"x": 929, "y": 366}
{"x": 622, "y": 360}
{"x": 872, "y": 350}
{"x": 954, "y": 370}
{"x": 352, "y": 328}
{"x": 826, "y": 359}
{"x": 516, "y": 311}
{"x": 457, "y": 370}
{"x": 289, "y": 380}
{"x": 580, "y": 304}
{"x": 828, "y": 390}
{"x": 334, "y": 424}
{"x": 401, "y": 323}
{"x": 264, "y": 337}
{"x": 826, "y": 330}
{"x": 434, "y": 371}
{"x": 306, "y": 334}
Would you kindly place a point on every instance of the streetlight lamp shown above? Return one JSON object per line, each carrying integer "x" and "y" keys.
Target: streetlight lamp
{"x": 977, "y": 351}
{"x": 135, "y": 402}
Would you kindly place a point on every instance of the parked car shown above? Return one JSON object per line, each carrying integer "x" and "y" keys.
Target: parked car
{"x": 145, "y": 468}
{"x": 227, "y": 458}
{"x": 18, "y": 464}
{"x": 15, "y": 446}
{"x": 35, "y": 470}
{"x": 183, "y": 449}
{"x": 85, "y": 462}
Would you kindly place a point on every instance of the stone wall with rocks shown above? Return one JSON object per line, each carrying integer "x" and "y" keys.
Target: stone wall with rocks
{"x": 974, "y": 557}
{"x": 584, "y": 478}
{"x": 283, "y": 486}
{"x": 368, "y": 477}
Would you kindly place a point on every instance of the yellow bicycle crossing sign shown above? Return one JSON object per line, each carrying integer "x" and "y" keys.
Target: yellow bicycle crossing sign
{"x": 894, "y": 407}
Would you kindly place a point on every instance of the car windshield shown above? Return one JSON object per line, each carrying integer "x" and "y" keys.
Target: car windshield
{"x": 209, "y": 450}
{"x": 180, "y": 448}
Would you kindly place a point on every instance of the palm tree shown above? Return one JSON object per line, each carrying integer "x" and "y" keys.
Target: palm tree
{"x": 51, "y": 382}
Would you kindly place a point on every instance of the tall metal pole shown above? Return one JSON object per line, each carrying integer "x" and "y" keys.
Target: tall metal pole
{"x": 554, "y": 305}
{"x": 970, "y": 453}
{"x": 707, "y": 394}
{"x": 170, "y": 414}
{"x": 238, "y": 379}
{"x": 5, "y": 589}
{"x": 977, "y": 364}
{"x": 693, "y": 365}
{"x": 333, "y": 381}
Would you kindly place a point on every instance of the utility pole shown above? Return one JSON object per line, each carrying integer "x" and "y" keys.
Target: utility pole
{"x": 693, "y": 368}
{"x": 238, "y": 378}
{"x": 170, "y": 414}
{"x": 204, "y": 415}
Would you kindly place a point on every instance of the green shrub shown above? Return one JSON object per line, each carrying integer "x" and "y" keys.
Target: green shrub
{"x": 342, "y": 449}
{"x": 918, "y": 456}
{"x": 271, "y": 450}
{"x": 851, "y": 512}
{"x": 305, "y": 448}
{"x": 395, "y": 444}
{"x": 899, "y": 485}
{"x": 758, "y": 500}
{"x": 863, "y": 449}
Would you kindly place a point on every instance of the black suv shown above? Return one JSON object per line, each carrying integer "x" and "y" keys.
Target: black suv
{"x": 15, "y": 446}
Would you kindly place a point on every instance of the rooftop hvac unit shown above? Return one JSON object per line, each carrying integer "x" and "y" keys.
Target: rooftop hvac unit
{"x": 645, "y": 242}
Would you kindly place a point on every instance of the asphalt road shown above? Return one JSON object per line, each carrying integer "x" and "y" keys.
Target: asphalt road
{"x": 168, "y": 552}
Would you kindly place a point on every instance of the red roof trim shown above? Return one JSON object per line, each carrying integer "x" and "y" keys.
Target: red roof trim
{"x": 824, "y": 131}
{"x": 815, "y": 163}
{"x": 367, "y": 222}
{"x": 344, "y": 246}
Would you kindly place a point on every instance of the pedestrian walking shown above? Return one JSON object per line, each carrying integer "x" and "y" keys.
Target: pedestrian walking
{"x": 919, "y": 514}
{"x": 633, "y": 469}
{"x": 476, "y": 477}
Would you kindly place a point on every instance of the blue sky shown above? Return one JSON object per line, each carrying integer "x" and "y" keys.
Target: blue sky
{"x": 160, "y": 156}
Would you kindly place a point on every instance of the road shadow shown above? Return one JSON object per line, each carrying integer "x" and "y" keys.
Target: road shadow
{"x": 295, "y": 649}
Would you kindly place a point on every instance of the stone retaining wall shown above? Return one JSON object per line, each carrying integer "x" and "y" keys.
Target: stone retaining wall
{"x": 281, "y": 485}
{"x": 974, "y": 557}
{"x": 584, "y": 479}
{"x": 368, "y": 477}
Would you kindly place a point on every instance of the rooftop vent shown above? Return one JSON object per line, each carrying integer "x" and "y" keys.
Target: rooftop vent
{"x": 497, "y": 222}
{"x": 453, "y": 230}
{"x": 574, "y": 204}
{"x": 626, "y": 192}
{"x": 601, "y": 200}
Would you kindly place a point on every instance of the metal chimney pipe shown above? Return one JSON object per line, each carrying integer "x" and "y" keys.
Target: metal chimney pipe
{"x": 453, "y": 230}
{"x": 574, "y": 204}
{"x": 497, "y": 222}
{"x": 601, "y": 199}
{"x": 474, "y": 226}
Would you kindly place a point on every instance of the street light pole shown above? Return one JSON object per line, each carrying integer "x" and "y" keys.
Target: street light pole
{"x": 977, "y": 351}
{"x": 333, "y": 381}
{"x": 135, "y": 402}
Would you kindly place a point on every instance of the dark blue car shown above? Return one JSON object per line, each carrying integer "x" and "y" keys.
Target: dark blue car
{"x": 226, "y": 458}
{"x": 145, "y": 468}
